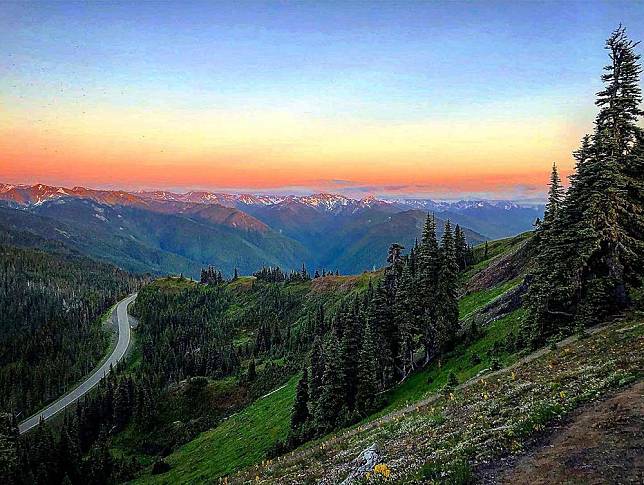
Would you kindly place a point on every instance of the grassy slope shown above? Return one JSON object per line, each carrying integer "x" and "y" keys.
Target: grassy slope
{"x": 212, "y": 455}
{"x": 240, "y": 441}
{"x": 495, "y": 249}
{"x": 472, "y": 302}
{"x": 491, "y": 417}
{"x": 274, "y": 410}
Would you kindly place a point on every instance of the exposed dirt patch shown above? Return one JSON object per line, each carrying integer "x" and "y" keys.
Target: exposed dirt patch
{"x": 503, "y": 268}
{"x": 601, "y": 443}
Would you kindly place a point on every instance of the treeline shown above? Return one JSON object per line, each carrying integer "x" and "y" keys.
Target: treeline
{"x": 50, "y": 332}
{"x": 372, "y": 343}
{"x": 274, "y": 274}
{"x": 591, "y": 249}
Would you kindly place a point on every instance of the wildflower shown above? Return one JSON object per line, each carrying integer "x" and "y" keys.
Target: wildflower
{"x": 382, "y": 469}
{"x": 514, "y": 376}
{"x": 562, "y": 394}
{"x": 367, "y": 475}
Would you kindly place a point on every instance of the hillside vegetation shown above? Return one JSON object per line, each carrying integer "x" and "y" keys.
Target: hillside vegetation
{"x": 51, "y": 332}
{"x": 442, "y": 439}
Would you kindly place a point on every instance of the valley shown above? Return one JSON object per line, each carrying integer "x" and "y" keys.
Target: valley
{"x": 163, "y": 232}
{"x": 321, "y": 243}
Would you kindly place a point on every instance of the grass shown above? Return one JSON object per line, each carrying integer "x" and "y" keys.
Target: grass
{"x": 240, "y": 441}
{"x": 490, "y": 418}
{"x": 495, "y": 249}
{"x": 429, "y": 380}
{"x": 245, "y": 438}
{"x": 478, "y": 299}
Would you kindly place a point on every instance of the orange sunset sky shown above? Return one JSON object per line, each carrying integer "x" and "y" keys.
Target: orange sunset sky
{"x": 439, "y": 100}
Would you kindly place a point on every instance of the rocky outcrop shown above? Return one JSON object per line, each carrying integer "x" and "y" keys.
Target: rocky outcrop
{"x": 504, "y": 268}
{"x": 504, "y": 304}
{"x": 365, "y": 462}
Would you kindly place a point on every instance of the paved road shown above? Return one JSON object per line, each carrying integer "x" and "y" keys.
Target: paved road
{"x": 98, "y": 374}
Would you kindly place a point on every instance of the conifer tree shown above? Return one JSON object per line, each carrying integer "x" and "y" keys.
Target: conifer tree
{"x": 447, "y": 314}
{"x": 460, "y": 246}
{"x": 555, "y": 197}
{"x": 316, "y": 360}
{"x": 594, "y": 243}
{"x": 405, "y": 319}
{"x": 367, "y": 369}
{"x": 349, "y": 348}
{"x": 384, "y": 328}
{"x": 300, "y": 414}
{"x": 330, "y": 401}
{"x": 428, "y": 263}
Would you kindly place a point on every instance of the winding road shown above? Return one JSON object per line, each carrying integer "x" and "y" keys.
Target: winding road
{"x": 88, "y": 384}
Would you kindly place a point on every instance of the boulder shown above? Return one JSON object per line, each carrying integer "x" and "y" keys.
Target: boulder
{"x": 364, "y": 463}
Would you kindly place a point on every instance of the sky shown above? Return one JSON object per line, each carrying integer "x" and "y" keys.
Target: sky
{"x": 387, "y": 98}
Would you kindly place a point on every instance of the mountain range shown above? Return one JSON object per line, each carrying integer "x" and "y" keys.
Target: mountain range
{"x": 167, "y": 232}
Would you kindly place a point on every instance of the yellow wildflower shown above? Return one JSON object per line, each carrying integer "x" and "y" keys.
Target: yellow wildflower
{"x": 382, "y": 469}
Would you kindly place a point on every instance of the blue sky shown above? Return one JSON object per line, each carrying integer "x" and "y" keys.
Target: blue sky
{"x": 346, "y": 63}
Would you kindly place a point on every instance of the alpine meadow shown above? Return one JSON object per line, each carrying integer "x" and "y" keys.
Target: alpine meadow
{"x": 316, "y": 243}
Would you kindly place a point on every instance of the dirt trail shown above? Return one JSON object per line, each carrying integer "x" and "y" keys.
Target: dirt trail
{"x": 602, "y": 442}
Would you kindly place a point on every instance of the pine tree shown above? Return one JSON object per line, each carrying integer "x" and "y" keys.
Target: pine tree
{"x": 555, "y": 197}
{"x": 460, "y": 246}
{"x": 330, "y": 402}
{"x": 405, "y": 319}
{"x": 300, "y": 414}
{"x": 316, "y": 360}
{"x": 349, "y": 347}
{"x": 367, "y": 370}
{"x": 385, "y": 330}
{"x": 447, "y": 314}
{"x": 428, "y": 263}
{"x": 593, "y": 246}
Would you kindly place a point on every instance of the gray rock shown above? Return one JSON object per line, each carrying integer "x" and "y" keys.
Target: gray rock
{"x": 364, "y": 463}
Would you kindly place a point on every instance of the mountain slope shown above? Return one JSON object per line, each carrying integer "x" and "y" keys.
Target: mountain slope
{"x": 166, "y": 232}
{"x": 444, "y": 436}
{"x": 146, "y": 240}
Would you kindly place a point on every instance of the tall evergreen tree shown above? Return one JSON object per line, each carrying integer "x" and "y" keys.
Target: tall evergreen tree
{"x": 460, "y": 247}
{"x": 405, "y": 319}
{"x": 316, "y": 366}
{"x": 300, "y": 414}
{"x": 349, "y": 347}
{"x": 555, "y": 197}
{"x": 447, "y": 314}
{"x": 367, "y": 370}
{"x": 594, "y": 245}
{"x": 331, "y": 399}
{"x": 428, "y": 264}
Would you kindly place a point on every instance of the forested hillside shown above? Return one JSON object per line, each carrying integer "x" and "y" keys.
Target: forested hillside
{"x": 445, "y": 359}
{"x": 51, "y": 334}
